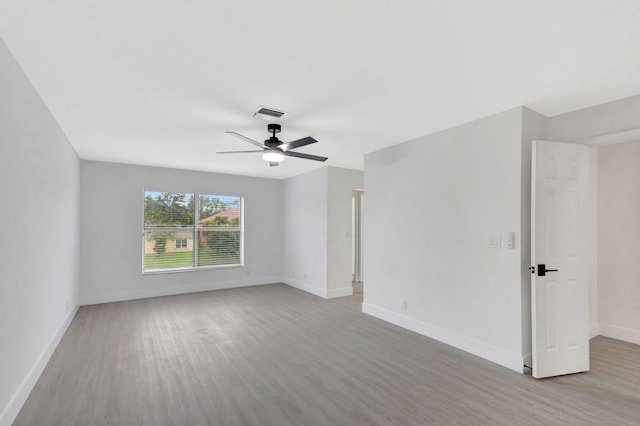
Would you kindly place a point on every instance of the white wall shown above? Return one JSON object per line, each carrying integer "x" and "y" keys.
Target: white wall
{"x": 432, "y": 203}
{"x": 111, "y": 231}
{"x": 39, "y": 253}
{"x": 305, "y": 231}
{"x": 619, "y": 240}
{"x": 341, "y": 183}
{"x": 317, "y": 232}
{"x": 438, "y": 167}
{"x": 612, "y": 117}
{"x": 534, "y": 127}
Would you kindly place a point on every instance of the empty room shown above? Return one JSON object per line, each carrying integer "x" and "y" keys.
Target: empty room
{"x": 328, "y": 213}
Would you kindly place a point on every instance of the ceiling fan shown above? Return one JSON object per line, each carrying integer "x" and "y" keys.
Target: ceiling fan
{"x": 274, "y": 150}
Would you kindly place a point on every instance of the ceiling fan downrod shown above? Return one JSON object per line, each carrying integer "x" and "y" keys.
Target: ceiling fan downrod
{"x": 273, "y": 141}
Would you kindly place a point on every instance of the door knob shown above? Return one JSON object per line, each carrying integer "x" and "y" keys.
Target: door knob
{"x": 542, "y": 270}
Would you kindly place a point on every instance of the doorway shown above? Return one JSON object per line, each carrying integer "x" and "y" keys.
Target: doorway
{"x": 357, "y": 203}
{"x": 613, "y": 246}
{"x": 617, "y": 242}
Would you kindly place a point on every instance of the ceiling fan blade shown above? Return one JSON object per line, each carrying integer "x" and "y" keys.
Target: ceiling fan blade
{"x": 238, "y": 152}
{"x": 273, "y": 163}
{"x": 297, "y": 143}
{"x": 246, "y": 139}
{"x": 305, "y": 156}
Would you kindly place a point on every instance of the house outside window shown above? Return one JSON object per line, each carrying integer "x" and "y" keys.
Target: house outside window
{"x": 184, "y": 231}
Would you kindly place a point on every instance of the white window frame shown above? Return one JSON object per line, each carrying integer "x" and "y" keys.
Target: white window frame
{"x": 196, "y": 219}
{"x": 181, "y": 245}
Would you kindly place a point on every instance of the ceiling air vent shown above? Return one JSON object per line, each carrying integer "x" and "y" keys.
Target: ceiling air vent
{"x": 268, "y": 113}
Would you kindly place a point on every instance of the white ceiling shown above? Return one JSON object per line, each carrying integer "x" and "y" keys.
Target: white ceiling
{"x": 158, "y": 82}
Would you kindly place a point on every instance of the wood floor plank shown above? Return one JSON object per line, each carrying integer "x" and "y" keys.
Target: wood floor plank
{"x": 274, "y": 355}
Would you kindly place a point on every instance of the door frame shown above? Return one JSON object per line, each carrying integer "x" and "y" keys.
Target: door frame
{"x": 630, "y": 135}
{"x": 357, "y": 215}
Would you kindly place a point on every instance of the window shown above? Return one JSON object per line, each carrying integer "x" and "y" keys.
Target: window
{"x": 191, "y": 231}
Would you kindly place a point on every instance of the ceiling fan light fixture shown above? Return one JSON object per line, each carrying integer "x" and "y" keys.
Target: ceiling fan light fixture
{"x": 272, "y": 155}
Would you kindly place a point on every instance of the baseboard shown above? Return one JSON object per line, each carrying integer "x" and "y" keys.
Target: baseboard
{"x": 594, "y": 330}
{"x": 620, "y": 333}
{"x": 217, "y": 285}
{"x": 339, "y": 292}
{"x": 320, "y": 292}
{"x": 483, "y": 350}
{"x": 170, "y": 291}
{"x": 20, "y": 396}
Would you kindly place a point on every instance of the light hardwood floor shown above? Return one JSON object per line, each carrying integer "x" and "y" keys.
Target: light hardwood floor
{"x": 274, "y": 355}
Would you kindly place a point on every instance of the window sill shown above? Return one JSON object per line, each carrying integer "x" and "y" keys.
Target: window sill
{"x": 198, "y": 269}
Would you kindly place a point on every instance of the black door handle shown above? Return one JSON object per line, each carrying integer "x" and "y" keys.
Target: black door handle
{"x": 542, "y": 270}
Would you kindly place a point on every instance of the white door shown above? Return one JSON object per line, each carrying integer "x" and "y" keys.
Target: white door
{"x": 559, "y": 292}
